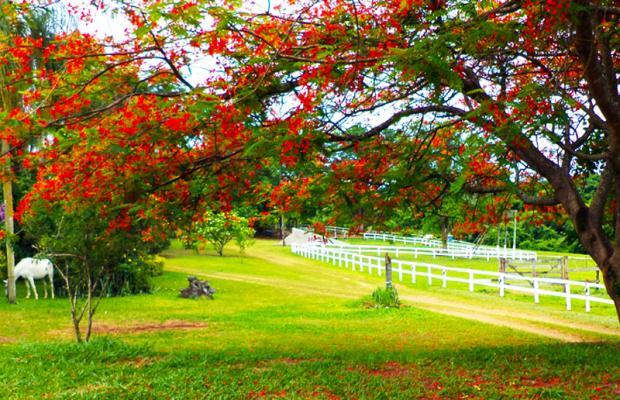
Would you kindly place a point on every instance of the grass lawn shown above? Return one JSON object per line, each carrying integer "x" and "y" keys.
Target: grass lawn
{"x": 286, "y": 327}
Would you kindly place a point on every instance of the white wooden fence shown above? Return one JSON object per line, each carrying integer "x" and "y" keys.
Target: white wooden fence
{"x": 436, "y": 252}
{"x": 456, "y": 247}
{"x": 587, "y": 291}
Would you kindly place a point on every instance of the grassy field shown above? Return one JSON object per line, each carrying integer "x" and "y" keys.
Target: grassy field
{"x": 286, "y": 327}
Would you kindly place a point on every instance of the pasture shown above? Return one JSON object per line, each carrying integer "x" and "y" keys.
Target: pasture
{"x": 282, "y": 326}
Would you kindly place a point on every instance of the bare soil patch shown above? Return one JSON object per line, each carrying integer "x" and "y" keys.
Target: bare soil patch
{"x": 287, "y": 360}
{"x": 391, "y": 369}
{"x": 140, "y": 362}
{"x": 149, "y": 327}
{"x": 4, "y": 339}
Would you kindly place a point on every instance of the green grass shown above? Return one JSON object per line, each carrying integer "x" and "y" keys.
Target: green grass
{"x": 285, "y": 327}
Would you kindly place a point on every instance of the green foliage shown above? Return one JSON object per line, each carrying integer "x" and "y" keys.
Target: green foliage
{"x": 134, "y": 275}
{"x": 80, "y": 242}
{"x": 550, "y": 236}
{"x": 219, "y": 228}
{"x": 385, "y": 298}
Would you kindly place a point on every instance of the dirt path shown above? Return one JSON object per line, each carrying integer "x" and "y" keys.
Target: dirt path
{"x": 493, "y": 317}
{"x": 500, "y": 313}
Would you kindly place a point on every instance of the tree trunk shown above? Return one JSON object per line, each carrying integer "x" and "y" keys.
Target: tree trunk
{"x": 282, "y": 229}
{"x": 75, "y": 319}
{"x": 443, "y": 220}
{"x": 89, "y": 308}
{"x": 76, "y": 331}
{"x": 7, "y": 189}
{"x": 611, "y": 278}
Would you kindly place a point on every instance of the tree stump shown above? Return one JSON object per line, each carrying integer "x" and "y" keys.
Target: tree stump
{"x": 197, "y": 288}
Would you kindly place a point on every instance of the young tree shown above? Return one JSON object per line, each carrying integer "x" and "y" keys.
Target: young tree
{"x": 219, "y": 228}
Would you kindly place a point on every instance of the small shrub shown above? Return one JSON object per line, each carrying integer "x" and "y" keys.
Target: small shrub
{"x": 385, "y": 298}
{"x": 133, "y": 276}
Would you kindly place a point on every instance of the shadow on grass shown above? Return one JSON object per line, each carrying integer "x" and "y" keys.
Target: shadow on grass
{"x": 109, "y": 368}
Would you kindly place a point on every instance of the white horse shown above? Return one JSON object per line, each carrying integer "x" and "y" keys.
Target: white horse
{"x": 35, "y": 268}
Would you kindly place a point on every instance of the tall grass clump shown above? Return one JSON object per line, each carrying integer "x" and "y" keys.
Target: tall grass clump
{"x": 385, "y": 298}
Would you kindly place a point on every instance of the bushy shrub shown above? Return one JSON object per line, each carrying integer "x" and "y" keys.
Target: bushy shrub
{"x": 133, "y": 276}
{"x": 119, "y": 262}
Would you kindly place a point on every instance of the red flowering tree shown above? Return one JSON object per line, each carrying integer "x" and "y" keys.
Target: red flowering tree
{"x": 375, "y": 104}
{"x": 528, "y": 88}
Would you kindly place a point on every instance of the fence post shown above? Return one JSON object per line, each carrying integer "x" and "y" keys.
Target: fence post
{"x": 388, "y": 271}
{"x": 564, "y": 267}
{"x": 536, "y": 292}
{"x": 471, "y": 281}
{"x": 598, "y": 278}
{"x": 379, "y": 266}
{"x": 430, "y": 277}
{"x": 587, "y": 293}
{"x": 501, "y": 284}
{"x": 400, "y": 271}
{"x": 413, "y": 273}
{"x": 567, "y": 293}
{"x": 502, "y": 265}
{"x": 443, "y": 274}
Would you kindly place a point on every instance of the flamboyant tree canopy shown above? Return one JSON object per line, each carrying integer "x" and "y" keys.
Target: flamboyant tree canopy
{"x": 363, "y": 108}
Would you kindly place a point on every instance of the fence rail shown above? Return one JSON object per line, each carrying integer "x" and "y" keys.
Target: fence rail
{"x": 458, "y": 248}
{"x": 438, "y": 252}
{"x": 337, "y": 255}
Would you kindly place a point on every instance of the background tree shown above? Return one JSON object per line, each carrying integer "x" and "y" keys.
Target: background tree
{"x": 219, "y": 228}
